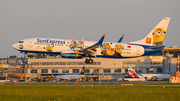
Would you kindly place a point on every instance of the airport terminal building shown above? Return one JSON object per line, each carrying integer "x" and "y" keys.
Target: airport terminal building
{"x": 44, "y": 67}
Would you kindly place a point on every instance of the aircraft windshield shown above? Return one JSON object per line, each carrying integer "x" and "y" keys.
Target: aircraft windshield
{"x": 21, "y": 41}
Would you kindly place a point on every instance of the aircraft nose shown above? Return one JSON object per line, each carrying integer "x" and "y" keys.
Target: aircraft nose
{"x": 15, "y": 46}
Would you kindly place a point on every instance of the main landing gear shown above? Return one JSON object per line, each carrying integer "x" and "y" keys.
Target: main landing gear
{"x": 88, "y": 60}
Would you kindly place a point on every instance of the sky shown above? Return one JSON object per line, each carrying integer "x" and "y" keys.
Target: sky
{"x": 85, "y": 19}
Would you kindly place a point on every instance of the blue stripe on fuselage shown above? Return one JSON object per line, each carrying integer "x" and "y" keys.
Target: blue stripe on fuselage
{"x": 144, "y": 46}
{"x": 148, "y": 51}
{"x": 151, "y": 52}
{"x": 27, "y": 51}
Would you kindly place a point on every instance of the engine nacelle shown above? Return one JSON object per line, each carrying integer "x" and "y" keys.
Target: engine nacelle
{"x": 70, "y": 54}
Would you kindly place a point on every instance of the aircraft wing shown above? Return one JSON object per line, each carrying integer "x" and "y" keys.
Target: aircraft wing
{"x": 88, "y": 51}
{"x": 91, "y": 50}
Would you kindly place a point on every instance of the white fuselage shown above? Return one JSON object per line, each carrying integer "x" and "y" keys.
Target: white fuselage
{"x": 70, "y": 77}
{"x": 134, "y": 79}
{"x": 159, "y": 76}
{"x": 47, "y": 45}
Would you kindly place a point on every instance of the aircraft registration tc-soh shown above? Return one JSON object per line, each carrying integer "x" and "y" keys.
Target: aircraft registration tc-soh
{"x": 77, "y": 49}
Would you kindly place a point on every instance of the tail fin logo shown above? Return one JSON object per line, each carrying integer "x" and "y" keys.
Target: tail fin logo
{"x": 159, "y": 31}
{"x": 82, "y": 71}
{"x": 148, "y": 40}
{"x": 158, "y": 36}
{"x": 132, "y": 72}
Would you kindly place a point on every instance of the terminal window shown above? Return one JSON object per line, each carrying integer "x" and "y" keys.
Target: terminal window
{"x": 44, "y": 70}
{"x": 138, "y": 70}
{"x": 65, "y": 70}
{"x": 149, "y": 70}
{"x": 117, "y": 70}
{"x": 75, "y": 70}
{"x": 126, "y": 70}
{"x": 96, "y": 71}
{"x": 34, "y": 71}
{"x": 107, "y": 70}
{"x": 54, "y": 70}
{"x": 87, "y": 71}
{"x": 159, "y": 70}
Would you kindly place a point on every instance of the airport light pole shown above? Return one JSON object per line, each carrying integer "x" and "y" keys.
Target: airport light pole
{"x": 99, "y": 76}
{"x": 178, "y": 65}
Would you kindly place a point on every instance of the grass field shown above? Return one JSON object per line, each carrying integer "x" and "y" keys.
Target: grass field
{"x": 63, "y": 92}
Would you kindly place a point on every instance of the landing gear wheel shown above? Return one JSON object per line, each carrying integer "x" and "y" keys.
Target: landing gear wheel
{"x": 88, "y": 61}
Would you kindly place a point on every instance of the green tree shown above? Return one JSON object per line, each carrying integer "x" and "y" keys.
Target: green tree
{"x": 31, "y": 55}
{"x": 13, "y": 56}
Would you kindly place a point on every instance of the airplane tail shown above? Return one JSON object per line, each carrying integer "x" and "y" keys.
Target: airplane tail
{"x": 156, "y": 36}
{"x": 82, "y": 71}
{"x": 132, "y": 72}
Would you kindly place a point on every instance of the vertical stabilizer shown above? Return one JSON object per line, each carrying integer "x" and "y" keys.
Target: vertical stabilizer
{"x": 156, "y": 36}
{"x": 82, "y": 71}
{"x": 132, "y": 72}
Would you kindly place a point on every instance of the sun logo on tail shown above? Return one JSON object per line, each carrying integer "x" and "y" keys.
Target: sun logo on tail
{"x": 82, "y": 70}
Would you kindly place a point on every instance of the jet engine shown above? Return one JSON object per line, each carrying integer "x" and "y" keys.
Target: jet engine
{"x": 71, "y": 54}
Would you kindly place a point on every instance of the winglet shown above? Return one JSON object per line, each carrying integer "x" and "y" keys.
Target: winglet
{"x": 120, "y": 40}
{"x": 104, "y": 34}
{"x": 102, "y": 39}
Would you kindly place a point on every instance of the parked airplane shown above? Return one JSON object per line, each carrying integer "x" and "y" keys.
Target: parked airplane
{"x": 134, "y": 79}
{"x": 77, "y": 49}
{"x": 133, "y": 74}
{"x": 71, "y": 77}
{"x": 131, "y": 79}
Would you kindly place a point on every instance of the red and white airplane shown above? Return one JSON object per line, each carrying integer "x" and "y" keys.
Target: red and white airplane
{"x": 133, "y": 74}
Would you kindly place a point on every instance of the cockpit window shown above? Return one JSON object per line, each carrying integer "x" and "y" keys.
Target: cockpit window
{"x": 21, "y": 41}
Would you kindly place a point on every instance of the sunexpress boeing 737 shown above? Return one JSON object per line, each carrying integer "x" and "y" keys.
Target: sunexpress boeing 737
{"x": 77, "y": 49}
